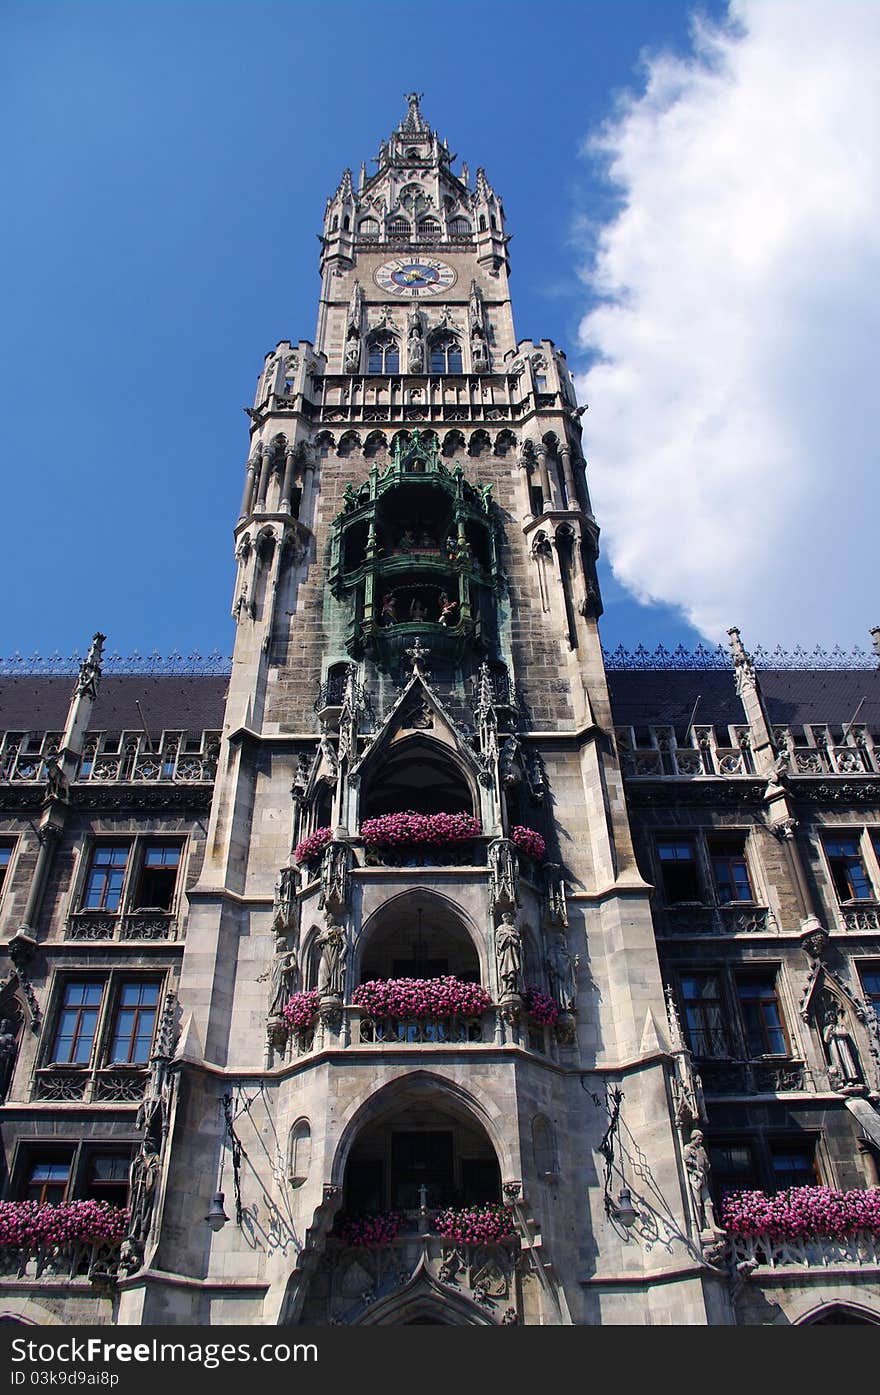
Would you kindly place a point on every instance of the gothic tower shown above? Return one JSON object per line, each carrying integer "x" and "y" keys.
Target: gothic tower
{"x": 418, "y": 782}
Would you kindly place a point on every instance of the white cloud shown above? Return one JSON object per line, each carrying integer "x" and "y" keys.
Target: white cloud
{"x": 734, "y": 413}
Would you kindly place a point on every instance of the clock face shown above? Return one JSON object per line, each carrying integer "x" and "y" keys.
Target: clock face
{"x": 415, "y": 277}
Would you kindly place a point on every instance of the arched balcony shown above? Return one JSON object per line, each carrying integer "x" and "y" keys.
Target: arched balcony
{"x": 423, "y": 1220}
{"x": 415, "y": 549}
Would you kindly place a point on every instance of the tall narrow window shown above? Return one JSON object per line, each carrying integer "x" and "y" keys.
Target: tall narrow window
{"x": 730, "y": 870}
{"x": 678, "y": 869}
{"x": 703, "y": 1015}
{"x": 106, "y": 875}
{"x": 77, "y": 1023}
{"x": 384, "y": 355}
{"x": 107, "y": 1177}
{"x": 794, "y": 1163}
{"x": 870, "y": 976}
{"x": 445, "y": 354}
{"x": 848, "y": 870}
{"x": 47, "y": 1179}
{"x": 762, "y": 1019}
{"x": 133, "y": 1023}
{"x": 158, "y": 877}
{"x": 5, "y": 859}
{"x": 733, "y": 1166}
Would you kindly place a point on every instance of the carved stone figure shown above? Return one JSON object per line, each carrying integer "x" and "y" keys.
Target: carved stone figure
{"x": 508, "y": 953}
{"x": 388, "y": 613}
{"x": 56, "y": 780}
{"x": 698, "y": 1168}
{"x": 335, "y": 866}
{"x": 843, "y": 1061}
{"x": 8, "y": 1052}
{"x": 447, "y": 609}
{"x": 283, "y": 977}
{"x": 561, "y": 970}
{"x": 416, "y": 353}
{"x": 503, "y": 873}
{"x": 352, "y": 356}
{"x": 331, "y": 969}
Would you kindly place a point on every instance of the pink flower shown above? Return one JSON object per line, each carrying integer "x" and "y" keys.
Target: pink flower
{"x": 421, "y": 998}
{"x": 410, "y": 828}
{"x": 368, "y": 1232}
{"x": 301, "y": 1010}
{"x": 540, "y": 1006}
{"x": 29, "y": 1225}
{"x": 485, "y": 1224}
{"x": 307, "y": 849}
{"x": 801, "y": 1212}
{"x": 528, "y": 841}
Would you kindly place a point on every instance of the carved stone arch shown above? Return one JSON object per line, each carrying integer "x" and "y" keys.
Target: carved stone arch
{"x": 405, "y": 904}
{"x": 505, "y": 442}
{"x": 310, "y": 955}
{"x": 324, "y": 442}
{"x": 400, "y": 439}
{"x": 544, "y": 1148}
{"x": 453, "y": 442}
{"x": 349, "y": 441}
{"x": 551, "y": 440}
{"x": 423, "y": 1300}
{"x": 299, "y": 1152}
{"x": 375, "y": 444}
{"x": 835, "y": 1312}
{"x": 480, "y": 443}
{"x": 409, "y": 1084}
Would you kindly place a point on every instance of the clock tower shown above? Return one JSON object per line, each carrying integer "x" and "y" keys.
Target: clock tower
{"x": 419, "y": 937}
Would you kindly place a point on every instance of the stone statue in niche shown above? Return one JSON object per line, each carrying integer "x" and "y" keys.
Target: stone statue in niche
{"x": 8, "y": 1053}
{"x": 331, "y": 969}
{"x": 698, "y": 1169}
{"x": 562, "y": 973}
{"x": 508, "y": 953}
{"x": 283, "y": 976}
{"x": 844, "y": 1070}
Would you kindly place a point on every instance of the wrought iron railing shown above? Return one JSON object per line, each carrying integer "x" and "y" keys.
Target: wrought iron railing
{"x": 738, "y": 918}
{"x": 753, "y": 1077}
{"x": 129, "y": 925}
{"x": 69, "y": 1085}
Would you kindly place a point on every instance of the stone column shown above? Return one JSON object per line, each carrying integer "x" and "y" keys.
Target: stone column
{"x": 48, "y": 835}
{"x": 287, "y": 485}
{"x": 265, "y": 472}
{"x": 568, "y": 478}
{"x": 545, "y": 478}
{"x": 247, "y": 497}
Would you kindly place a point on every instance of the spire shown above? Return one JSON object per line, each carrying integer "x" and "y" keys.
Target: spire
{"x": 414, "y": 124}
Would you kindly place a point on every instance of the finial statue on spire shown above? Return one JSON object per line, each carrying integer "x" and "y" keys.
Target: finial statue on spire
{"x": 414, "y": 123}
{"x": 90, "y": 668}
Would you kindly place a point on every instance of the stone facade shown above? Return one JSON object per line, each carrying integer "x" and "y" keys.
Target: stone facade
{"x": 197, "y": 886}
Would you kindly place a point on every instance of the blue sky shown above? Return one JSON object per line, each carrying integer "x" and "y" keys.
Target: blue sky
{"x": 166, "y": 167}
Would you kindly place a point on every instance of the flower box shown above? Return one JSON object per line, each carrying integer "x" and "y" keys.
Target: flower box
{"x": 540, "y": 1007}
{"x": 409, "y": 829}
{"x": 801, "y": 1212}
{"x": 529, "y": 842}
{"x": 420, "y": 998}
{"x": 29, "y": 1225}
{"x": 370, "y": 1232}
{"x": 309, "y": 849}
{"x": 486, "y": 1224}
{"x": 300, "y": 1012}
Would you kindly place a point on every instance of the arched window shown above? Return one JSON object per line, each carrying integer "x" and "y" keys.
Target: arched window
{"x": 368, "y": 227}
{"x": 299, "y": 1153}
{"x": 459, "y": 227}
{"x": 445, "y": 354}
{"x": 346, "y": 223}
{"x": 429, "y": 229}
{"x": 399, "y": 228}
{"x": 335, "y": 224}
{"x": 482, "y": 223}
{"x": 384, "y": 355}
